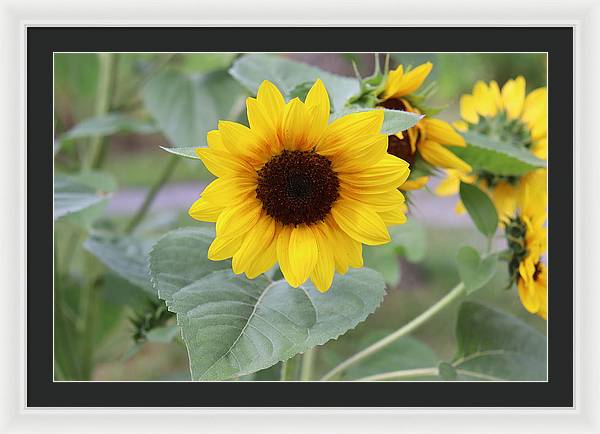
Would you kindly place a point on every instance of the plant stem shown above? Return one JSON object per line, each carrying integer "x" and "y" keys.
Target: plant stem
{"x": 105, "y": 64}
{"x": 289, "y": 368}
{"x": 456, "y": 292}
{"x": 164, "y": 177}
{"x": 308, "y": 361}
{"x": 400, "y": 375}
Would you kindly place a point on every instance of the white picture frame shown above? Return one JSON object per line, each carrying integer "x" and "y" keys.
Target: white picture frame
{"x": 582, "y": 15}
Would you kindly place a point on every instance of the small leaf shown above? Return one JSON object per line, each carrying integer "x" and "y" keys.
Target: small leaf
{"x": 394, "y": 120}
{"x": 500, "y": 158}
{"x": 493, "y": 345}
{"x": 233, "y": 326}
{"x": 183, "y": 152}
{"x": 480, "y": 208}
{"x": 106, "y": 125}
{"x": 124, "y": 255}
{"x": 75, "y": 193}
{"x": 473, "y": 271}
{"x": 252, "y": 69}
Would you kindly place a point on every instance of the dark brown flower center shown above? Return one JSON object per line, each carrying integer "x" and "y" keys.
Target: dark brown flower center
{"x": 537, "y": 272}
{"x": 297, "y": 187}
{"x": 401, "y": 148}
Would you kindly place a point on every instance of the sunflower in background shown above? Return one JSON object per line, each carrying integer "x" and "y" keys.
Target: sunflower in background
{"x": 297, "y": 190}
{"x": 508, "y": 115}
{"x": 423, "y": 146}
{"x": 526, "y": 236}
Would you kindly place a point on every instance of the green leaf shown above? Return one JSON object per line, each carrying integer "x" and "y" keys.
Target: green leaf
{"x": 500, "y": 158}
{"x": 474, "y": 271}
{"x": 447, "y": 371}
{"x": 394, "y": 120}
{"x": 183, "y": 152}
{"x": 493, "y": 345}
{"x": 75, "y": 193}
{"x": 252, "y": 69}
{"x": 233, "y": 326}
{"x": 187, "y": 107}
{"x": 405, "y": 353}
{"x": 480, "y": 208}
{"x": 409, "y": 240}
{"x": 383, "y": 259}
{"x": 111, "y": 123}
{"x": 124, "y": 255}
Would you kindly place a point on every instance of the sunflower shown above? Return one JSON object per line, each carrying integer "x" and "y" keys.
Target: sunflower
{"x": 298, "y": 190}
{"x": 429, "y": 138}
{"x": 527, "y": 240}
{"x": 512, "y": 117}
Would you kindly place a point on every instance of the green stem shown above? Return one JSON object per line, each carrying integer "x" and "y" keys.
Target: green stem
{"x": 308, "y": 361}
{"x": 401, "y": 375}
{"x": 105, "y": 63}
{"x": 289, "y": 369}
{"x": 457, "y": 292}
{"x": 164, "y": 177}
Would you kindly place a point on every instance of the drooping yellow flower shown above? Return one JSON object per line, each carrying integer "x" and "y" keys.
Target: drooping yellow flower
{"x": 512, "y": 117}
{"x": 527, "y": 239}
{"x": 297, "y": 190}
{"x": 430, "y": 137}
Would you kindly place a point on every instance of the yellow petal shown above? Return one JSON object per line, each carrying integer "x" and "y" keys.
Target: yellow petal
{"x": 263, "y": 125}
{"x": 504, "y": 197}
{"x": 461, "y": 126}
{"x": 215, "y": 142}
{"x": 513, "y": 95}
{"x": 415, "y": 183}
{"x": 227, "y": 192}
{"x": 439, "y": 156}
{"x": 393, "y": 83}
{"x": 411, "y": 81}
{"x": 296, "y": 125}
{"x": 317, "y": 103}
{"x": 242, "y": 141}
{"x": 394, "y": 217}
{"x": 303, "y": 252}
{"x": 235, "y": 221}
{"x": 205, "y": 211}
{"x": 322, "y": 274}
{"x": 450, "y": 185}
{"x": 535, "y": 106}
{"x": 347, "y": 251}
{"x": 223, "y": 163}
{"x": 388, "y": 173}
{"x": 257, "y": 252}
{"x": 540, "y": 149}
{"x": 468, "y": 109}
{"x": 361, "y": 154}
{"x": 347, "y": 129}
{"x": 496, "y": 94}
{"x": 386, "y": 201}
{"x": 360, "y": 222}
{"x": 224, "y": 247}
{"x": 271, "y": 100}
{"x": 484, "y": 99}
{"x": 442, "y": 132}
{"x": 283, "y": 255}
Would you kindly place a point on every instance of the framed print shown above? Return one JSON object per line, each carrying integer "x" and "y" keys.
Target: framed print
{"x": 257, "y": 219}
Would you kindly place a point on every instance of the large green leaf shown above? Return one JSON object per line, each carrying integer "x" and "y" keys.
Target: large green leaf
{"x": 480, "y": 207}
{"x": 75, "y": 193}
{"x": 500, "y": 158}
{"x": 127, "y": 256}
{"x": 474, "y": 271}
{"x": 286, "y": 74}
{"x": 233, "y": 326}
{"x": 186, "y": 107}
{"x": 493, "y": 345}
{"x": 394, "y": 121}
